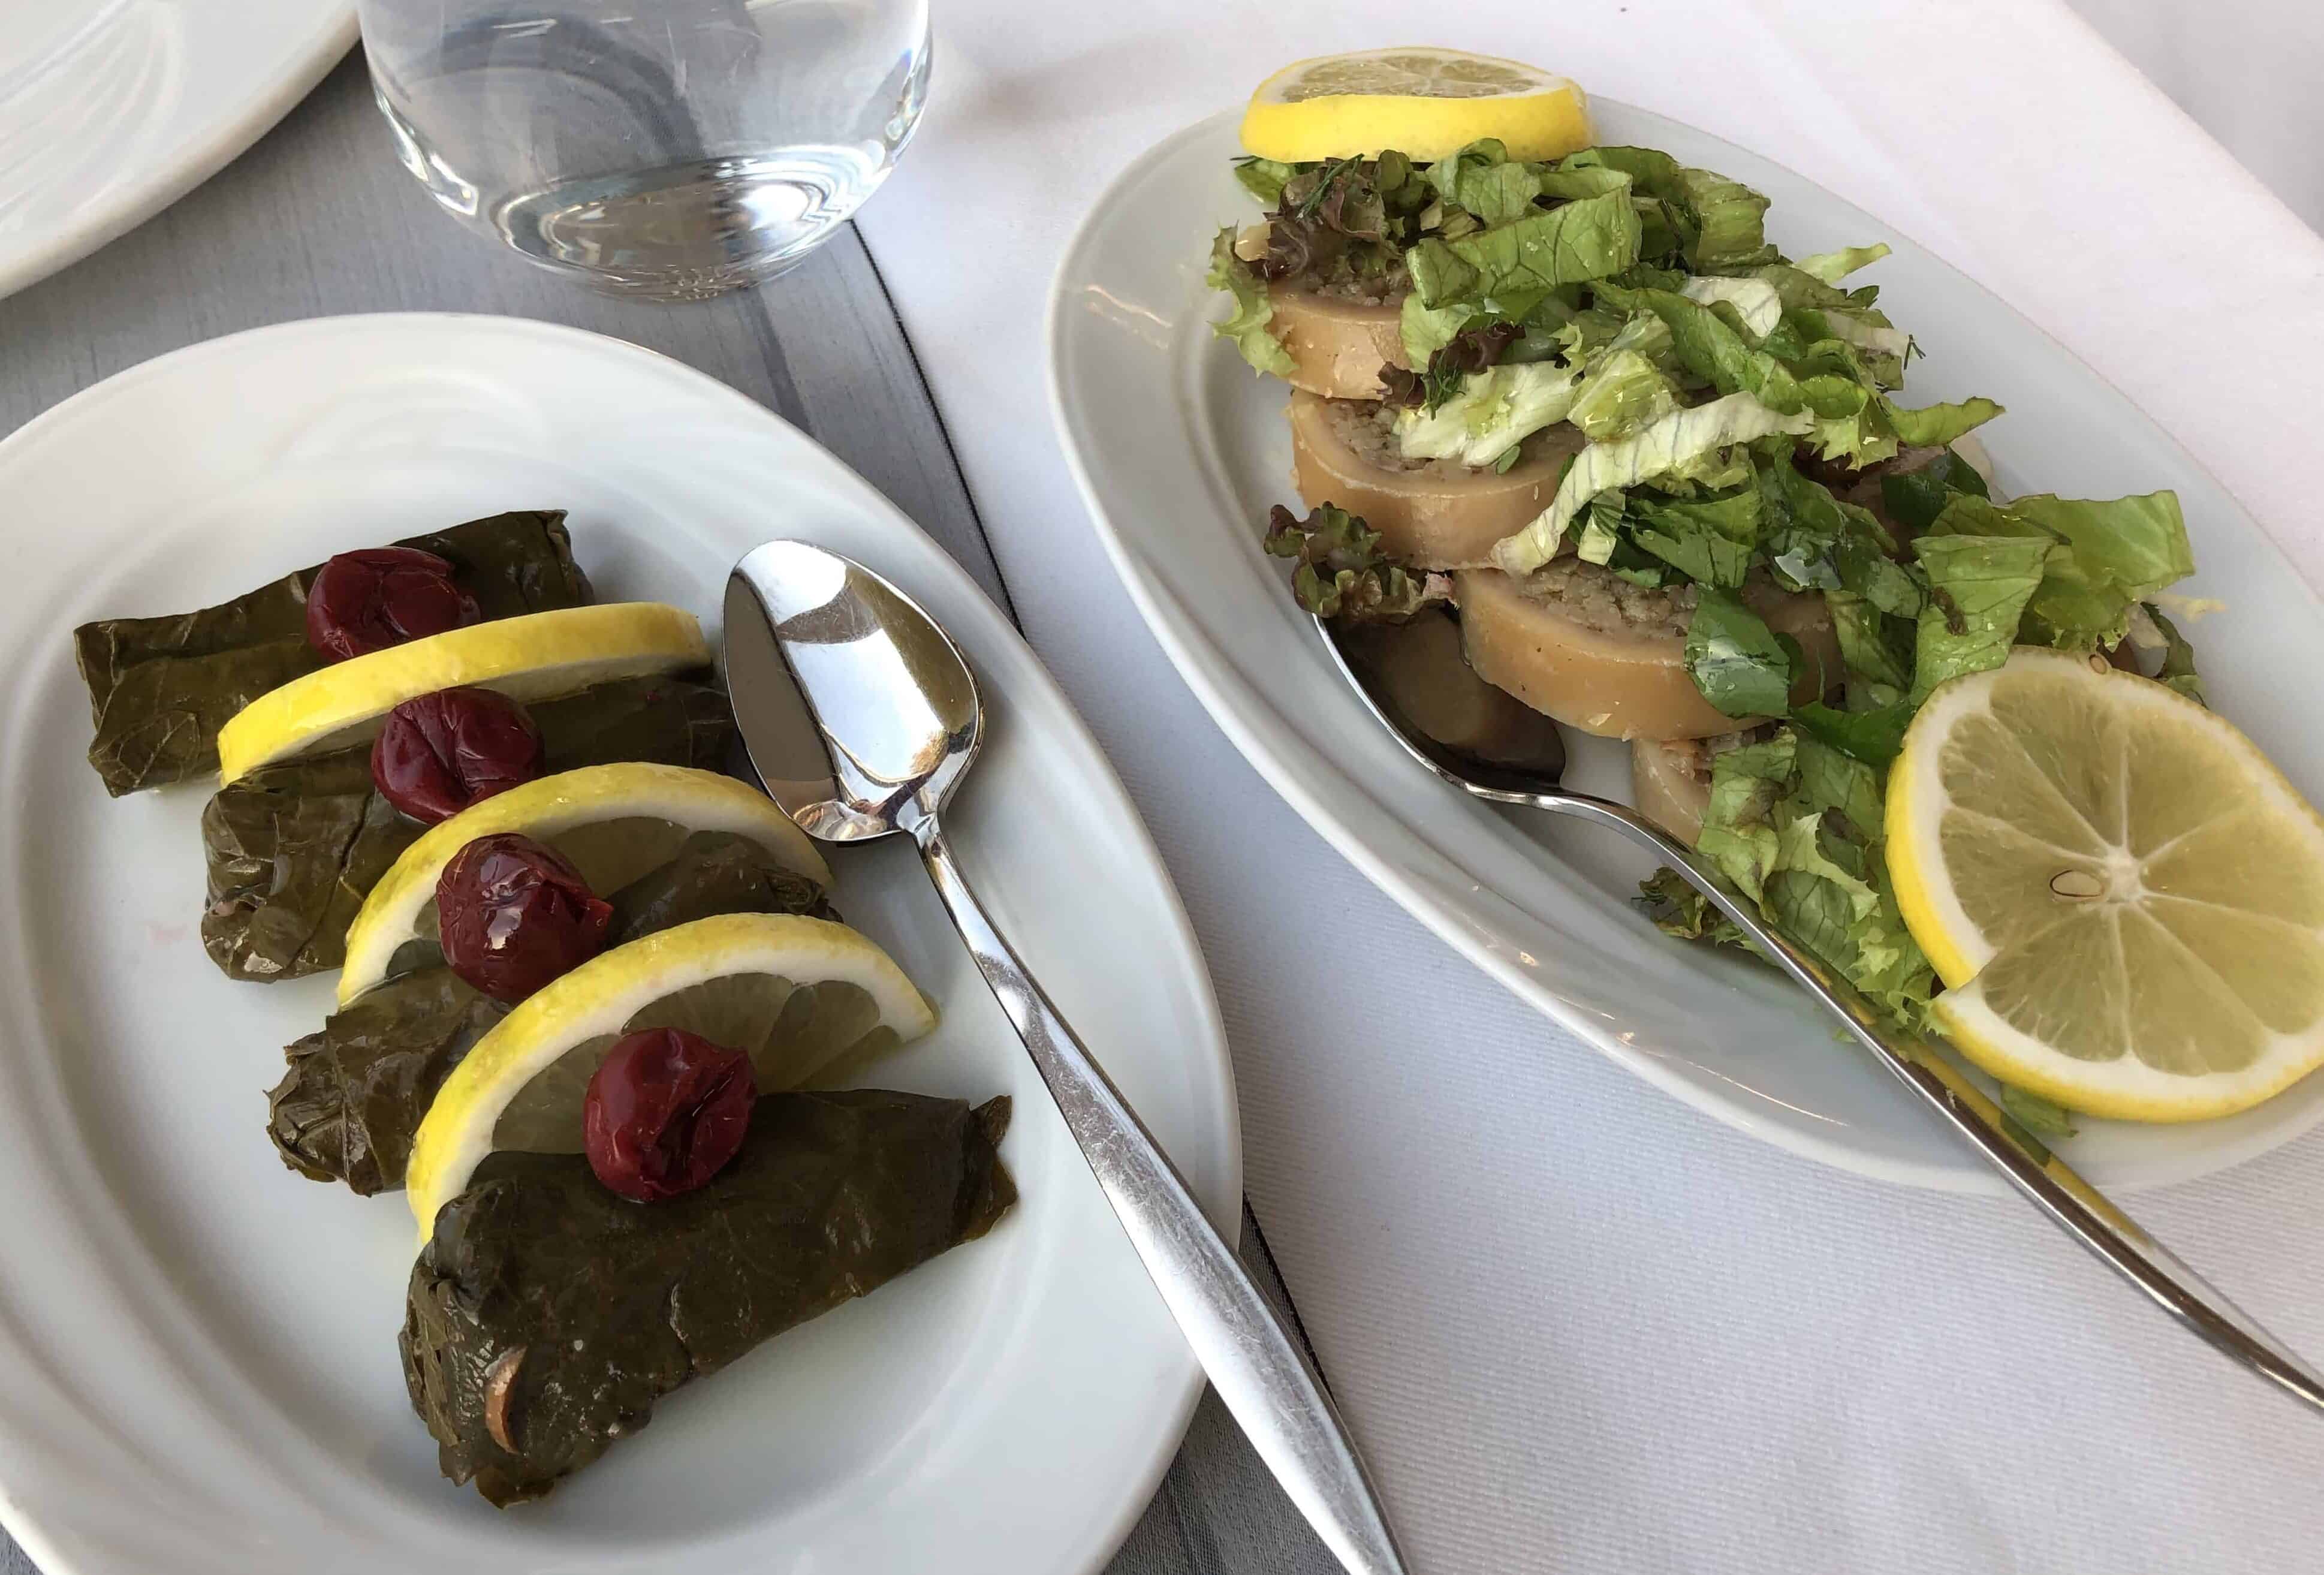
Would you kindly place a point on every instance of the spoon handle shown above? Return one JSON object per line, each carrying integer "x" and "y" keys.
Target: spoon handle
{"x": 2084, "y": 1212}
{"x": 1252, "y": 1361}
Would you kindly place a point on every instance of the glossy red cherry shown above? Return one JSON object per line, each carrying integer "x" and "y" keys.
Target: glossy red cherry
{"x": 514, "y": 914}
{"x": 665, "y": 1112}
{"x": 379, "y": 597}
{"x": 445, "y": 751}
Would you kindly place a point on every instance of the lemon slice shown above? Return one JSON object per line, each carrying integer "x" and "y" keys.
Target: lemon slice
{"x": 532, "y": 657}
{"x": 615, "y": 823}
{"x": 793, "y": 994}
{"x": 1425, "y": 103}
{"x": 2125, "y": 898}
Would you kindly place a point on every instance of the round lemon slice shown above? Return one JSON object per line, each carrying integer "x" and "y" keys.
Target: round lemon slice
{"x": 1425, "y": 102}
{"x": 2125, "y": 898}
{"x": 615, "y": 823}
{"x": 533, "y": 657}
{"x": 793, "y": 994}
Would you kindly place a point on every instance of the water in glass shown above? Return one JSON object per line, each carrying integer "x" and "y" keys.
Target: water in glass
{"x": 671, "y": 148}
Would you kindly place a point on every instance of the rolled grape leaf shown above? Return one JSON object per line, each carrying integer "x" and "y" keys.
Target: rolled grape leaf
{"x": 160, "y": 688}
{"x": 545, "y": 1315}
{"x": 294, "y": 848}
{"x": 353, "y": 1097}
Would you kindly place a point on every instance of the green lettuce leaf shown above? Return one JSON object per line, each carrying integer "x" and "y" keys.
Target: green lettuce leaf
{"x": 1757, "y": 308}
{"x": 1736, "y": 661}
{"x": 1831, "y": 267}
{"x": 1873, "y": 644}
{"x": 1833, "y": 780}
{"x": 1710, "y": 540}
{"x": 1621, "y": 391}
{"x": 1932, "y": 426}
{"x": 2178, "y": 670}
{"x": 1873, "y": 736}
{"x": 1264, "y": 178}
{"x": 1980, "y": 587}
{"x": 1427, "y": 332}
{"x": 1914, "y": 498}
{"x": 2044, "y": 1120}
{"x": 1720, "y": 228}
{"x": 1745, "y": 785}
{"x": 1248, "y": 325}
{"x": 1492, "y": 412}
{"x": 1483, "y": 178}
{"x": 1683, "y": 914}
{"x": 1581, "y": 241}
{"x": 1680, "y": 445}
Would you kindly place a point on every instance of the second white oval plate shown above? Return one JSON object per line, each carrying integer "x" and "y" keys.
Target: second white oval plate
{"x": 1180, "y": 450}
{"x": 110, "y": 110}
{"x": 184, "y": 1320}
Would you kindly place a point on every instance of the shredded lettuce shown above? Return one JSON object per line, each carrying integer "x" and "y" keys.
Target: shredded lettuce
{"x": 2109, "y": 555}
{"x": 1682, "y": 444}
{"x": 1589, "y": 239}
{"x": 1725, "y": 216}
{"x": 1769, "y": 831}
{"x": 1248, "y": 325}
{"x": 1493, "y": 411}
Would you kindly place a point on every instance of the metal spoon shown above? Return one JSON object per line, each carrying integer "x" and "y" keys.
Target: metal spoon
{"x": 2044, "y": 1179}
{"x": 862, "y": 717}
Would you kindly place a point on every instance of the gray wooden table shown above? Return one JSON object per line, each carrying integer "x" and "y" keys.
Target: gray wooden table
{"x": 317, "y": 220}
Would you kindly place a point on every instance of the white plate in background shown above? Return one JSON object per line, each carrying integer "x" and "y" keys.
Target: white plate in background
{"x": 197, "y": 1347}
{"x": 110, "y": 110}
{"x": 1179, "y": 450}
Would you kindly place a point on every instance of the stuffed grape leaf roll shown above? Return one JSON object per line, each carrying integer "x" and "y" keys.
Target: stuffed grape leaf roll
{"x": 160, "y": 688}
{"x": 546, "y": 1315}
{"x": 357, "y": 1090}
{"x": 294, "y": 848}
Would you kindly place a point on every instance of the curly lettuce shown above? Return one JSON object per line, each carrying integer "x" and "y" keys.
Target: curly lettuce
{"x": 1247, "y": 325}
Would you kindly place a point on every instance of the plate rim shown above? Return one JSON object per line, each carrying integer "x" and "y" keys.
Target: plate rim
{"x": 1139, "y": 1488}
{"x": 1177, "y": 634}
{"x": 223, "y": 141}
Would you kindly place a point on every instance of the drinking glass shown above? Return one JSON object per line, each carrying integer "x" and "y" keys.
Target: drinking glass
{"x": 668, "y": 148}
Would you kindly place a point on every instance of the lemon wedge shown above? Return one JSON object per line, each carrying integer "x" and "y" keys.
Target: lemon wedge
{"x": 1425, "y": 103}
{"x": 533, "y": 657}
{"x": 616, "y": 823}
{"x": 793, "y": 994}
{"x": 2124, "y": 895}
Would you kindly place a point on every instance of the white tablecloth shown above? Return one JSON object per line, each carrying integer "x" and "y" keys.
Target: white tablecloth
{"x": 1576, "y": 1325}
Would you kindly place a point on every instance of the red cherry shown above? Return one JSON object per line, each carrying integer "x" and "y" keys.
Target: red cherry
{"x": 513, "y": 914}
{"x": 443, "y": 752}
{"x": 665, "y": 1111}
{"x": 369, "y": 600}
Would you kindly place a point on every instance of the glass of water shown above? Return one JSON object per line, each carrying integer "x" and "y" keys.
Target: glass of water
{"x": 666, "y": 148}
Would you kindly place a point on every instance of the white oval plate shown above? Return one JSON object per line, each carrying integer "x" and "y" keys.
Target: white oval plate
{"x": 1180, "y": 450}
{"x": 197, "y": 1361}
{"x": 110, "y": 110}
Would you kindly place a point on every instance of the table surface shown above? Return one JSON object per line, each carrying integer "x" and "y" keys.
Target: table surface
{"x": 1576, "y": 1326}
{"x": 822, "y": 347}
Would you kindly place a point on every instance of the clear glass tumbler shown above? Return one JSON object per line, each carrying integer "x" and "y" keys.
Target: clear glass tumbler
{"x": 668, "y": 148}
